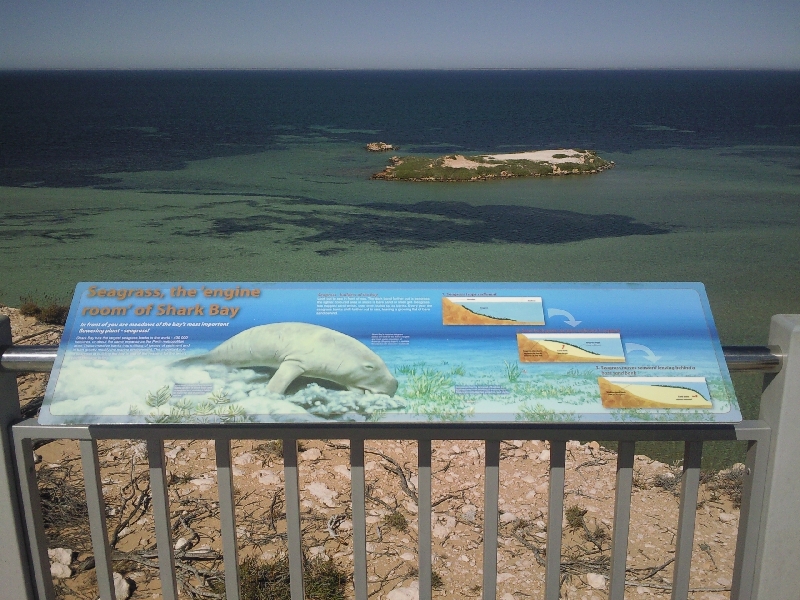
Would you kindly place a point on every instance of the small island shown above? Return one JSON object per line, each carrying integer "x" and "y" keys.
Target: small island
{"x": 457, "y": 167}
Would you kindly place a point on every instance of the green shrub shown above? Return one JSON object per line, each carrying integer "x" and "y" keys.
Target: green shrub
{"x": 269, "y": 580}
{"x": 51, "y": 311}
{"x": 397, "y": 521}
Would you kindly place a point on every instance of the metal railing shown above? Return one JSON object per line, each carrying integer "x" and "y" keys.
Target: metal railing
{"x": 768, "y": 543}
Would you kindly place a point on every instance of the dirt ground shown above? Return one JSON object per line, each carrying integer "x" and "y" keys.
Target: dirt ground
{"x": 392, "y": 521}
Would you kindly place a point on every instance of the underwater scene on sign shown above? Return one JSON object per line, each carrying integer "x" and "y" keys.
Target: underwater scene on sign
{"x": 255, "y": 352}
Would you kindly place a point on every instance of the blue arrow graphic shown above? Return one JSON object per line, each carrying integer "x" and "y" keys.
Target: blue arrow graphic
{"x": 649, "y": 353}
{"x": 570, "y": 319}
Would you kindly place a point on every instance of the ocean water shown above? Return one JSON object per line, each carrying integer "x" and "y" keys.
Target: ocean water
{"x": 263, "y": 176}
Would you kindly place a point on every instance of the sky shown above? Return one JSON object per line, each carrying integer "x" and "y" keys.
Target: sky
{"x": 399, "y": 34}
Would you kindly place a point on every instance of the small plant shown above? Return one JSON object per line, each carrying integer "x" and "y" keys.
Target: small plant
{"x": 598, "y": 536}
{"x": 50, "y": 310}
{"x": 583, "y": 374}
{"x": 397, "y": 521}
{"x": 158, "y": 399}
{"x": 409, "y": 369}
{"x": 574, "y": 515}
{"x": 729, "y": 483}
{"x": 269, "y": 580}
{"x": 271, "y": 448}
{"x": 165, "y": 409}
{"x": 459, "y": 370}
{"x": 537, "y": 413}
{"x": 233, "y": 414}
{"x": 437, "y": 583}
{"x": 427, "y": 383}
{"x": 513, "y": 371}
{"x": 669, "y": 481}
{"x": 220, "y": 397}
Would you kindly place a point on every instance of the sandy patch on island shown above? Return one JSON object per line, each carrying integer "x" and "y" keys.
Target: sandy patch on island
{"x": 462, "y": 162}
{"x": 573, "y": 156}
{"x": 459, "y": 161}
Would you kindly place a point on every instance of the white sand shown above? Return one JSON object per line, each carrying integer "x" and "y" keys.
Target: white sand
{"x": 461, "y": 162}
{"x": 573, "y": 156}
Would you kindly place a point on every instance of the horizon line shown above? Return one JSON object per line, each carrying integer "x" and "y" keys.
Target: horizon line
{"x": 390, "y": 69}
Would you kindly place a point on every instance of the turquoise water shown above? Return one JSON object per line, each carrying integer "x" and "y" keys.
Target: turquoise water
{"x": 732, "y": 216}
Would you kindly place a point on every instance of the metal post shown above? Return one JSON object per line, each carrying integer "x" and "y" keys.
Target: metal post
{"x": 777, "y": 575}
{"x": 15, "y": 576}
{"x": 555, "y": 516}
{"x": 490, "y": 517}
{"x": 622, "y": 520}
{"x": 294, "y": 530}
{"x": 424, "y": 518}
{"x": 358, "y": 499}
{"x": 690, "y": 485}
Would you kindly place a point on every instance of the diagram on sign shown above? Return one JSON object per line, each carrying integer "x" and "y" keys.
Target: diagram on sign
{"x": 654, "y": 392}
{"x": 570, "y": 347}
{"x": 492, "y": 310}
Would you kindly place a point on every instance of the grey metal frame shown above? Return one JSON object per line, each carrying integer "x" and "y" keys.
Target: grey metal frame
{"x": 764, "y": 487}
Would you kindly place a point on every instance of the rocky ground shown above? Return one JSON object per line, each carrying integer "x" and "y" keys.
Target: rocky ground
{"x": 392, "y": 514}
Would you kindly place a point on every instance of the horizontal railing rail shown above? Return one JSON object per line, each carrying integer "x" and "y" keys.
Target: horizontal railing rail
{"x": 40, "y": 359}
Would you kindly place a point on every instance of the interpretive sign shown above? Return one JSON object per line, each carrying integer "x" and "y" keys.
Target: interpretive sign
{"x": 389, "y": 352}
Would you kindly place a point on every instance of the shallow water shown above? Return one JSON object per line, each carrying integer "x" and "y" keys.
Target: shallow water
{"x": 729, "y": 218}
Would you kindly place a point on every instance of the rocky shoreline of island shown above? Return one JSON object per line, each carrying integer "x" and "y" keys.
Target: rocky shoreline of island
{"x": 459, "y": 167}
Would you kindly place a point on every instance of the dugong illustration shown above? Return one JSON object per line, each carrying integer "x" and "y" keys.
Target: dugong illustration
{"x": 296, "y": 349}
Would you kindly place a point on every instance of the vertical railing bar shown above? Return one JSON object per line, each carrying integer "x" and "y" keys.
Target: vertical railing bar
{"x": 424, "y": 514}
{"x": 755, "y": 476}
{"x": 96, "y": 507}
{"x": 690, "y": 485}
{"x": 357, "y": 495}
{"x": 293, "y": 528}
{"x": 227, "y": 518}
{"x": 491, "y": 492}
{"x": 622, "y": 520}
{"x": 555, "y": 515}
{"x": 34, "y": 522}
{"x": 160, "y": 491}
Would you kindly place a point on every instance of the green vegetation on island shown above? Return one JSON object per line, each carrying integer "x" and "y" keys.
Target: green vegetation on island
{"x": 457, "y": 167}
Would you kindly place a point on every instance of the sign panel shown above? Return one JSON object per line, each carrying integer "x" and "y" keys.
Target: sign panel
{"x": 389, "y": 352}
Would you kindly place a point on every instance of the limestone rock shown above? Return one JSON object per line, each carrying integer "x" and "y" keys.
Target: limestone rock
{"x": 181, "y": 543}
{"x": 380, "y": 147}
{"x": 405, "y": 593}
{"x": 171, "y": 454}
{"x": 311, "y": 454}
{"x": 323, "y": 493}
{"x": 469, "y": 512}
{"x": 508, "y": 517}
{"x": 266, "y": 477}
{"x": 122, "y": 588}
{"x": 243, "y": 459}
{"x": 343, "y": 471}
{"x": 60, "y": 571}
{"x": 60, "y": 556}
{"x": 596, "y": 580}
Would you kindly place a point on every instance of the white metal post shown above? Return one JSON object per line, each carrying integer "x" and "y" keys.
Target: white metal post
{"x": 15, "y": 576}
{"x": 777, "y": 574}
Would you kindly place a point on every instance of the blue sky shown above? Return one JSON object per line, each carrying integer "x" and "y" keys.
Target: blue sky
{"x": 414, "y": 34}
